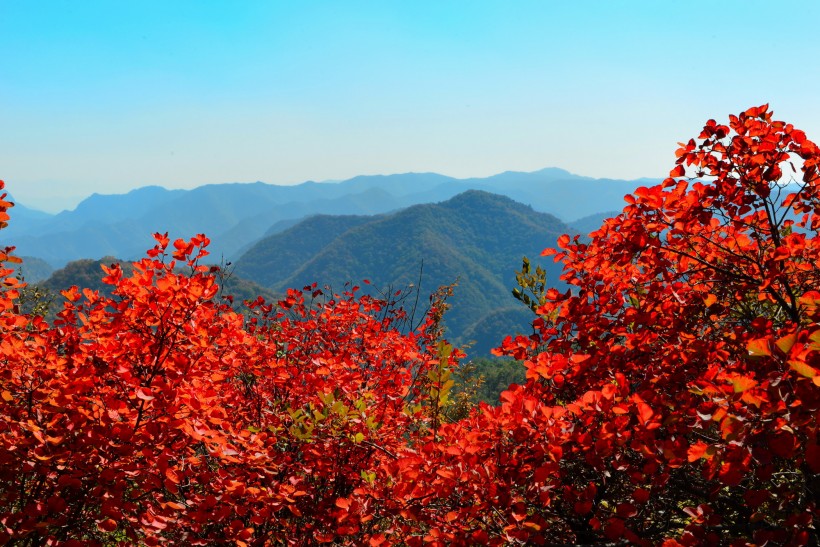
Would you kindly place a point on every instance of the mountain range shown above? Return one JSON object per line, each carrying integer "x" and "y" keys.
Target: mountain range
{"x": 236, "y": 215}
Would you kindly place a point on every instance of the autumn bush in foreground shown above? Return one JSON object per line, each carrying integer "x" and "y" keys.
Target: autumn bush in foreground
{"x": 672, "y": 393}
{"x": 162, "y": 415}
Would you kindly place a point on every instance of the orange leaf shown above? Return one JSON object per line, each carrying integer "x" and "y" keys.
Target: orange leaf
{"x": 445, "y": 473}
{"x": 742, "y": 383}
{"x": 710, "y": 299}
{"x": 759, "y": 347}
{"x": 609, "y": 391}
{"x": 620, "y": 409}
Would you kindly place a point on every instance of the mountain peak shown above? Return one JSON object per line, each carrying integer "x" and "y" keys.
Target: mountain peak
{"x": 475, "y": 237}
{"x": 479, "y": 200}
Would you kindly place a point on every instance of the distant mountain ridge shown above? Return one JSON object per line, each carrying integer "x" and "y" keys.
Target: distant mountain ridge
{"x": 235, "y": 215}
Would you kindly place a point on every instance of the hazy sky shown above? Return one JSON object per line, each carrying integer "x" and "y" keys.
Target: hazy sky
{"x": 107, "y": 96}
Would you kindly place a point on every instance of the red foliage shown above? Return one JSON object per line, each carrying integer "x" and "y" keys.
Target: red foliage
{"x": 673, "y": 391}
{"x": 161, "y": 415}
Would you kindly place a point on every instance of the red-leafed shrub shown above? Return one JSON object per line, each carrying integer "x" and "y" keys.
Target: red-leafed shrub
{"x": 673, "y": 393}
{"x": 161, "y": 415}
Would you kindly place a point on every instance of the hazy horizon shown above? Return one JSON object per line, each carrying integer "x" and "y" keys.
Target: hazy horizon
{"x": 103, "y": 97}
{"x": 71, "y": 205}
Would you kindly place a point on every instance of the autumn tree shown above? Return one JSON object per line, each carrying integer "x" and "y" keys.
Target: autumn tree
{"x": 673, "y": 392}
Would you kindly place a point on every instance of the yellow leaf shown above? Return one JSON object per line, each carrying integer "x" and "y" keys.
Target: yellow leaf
{"x": 815, "y": 338}
{"x": 785, "y": 344}
{"x": 7, "y": 396}
{"x": 803, "y": 369}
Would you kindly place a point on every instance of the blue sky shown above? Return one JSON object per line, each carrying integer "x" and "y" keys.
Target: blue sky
{"x": 108, "y": 96}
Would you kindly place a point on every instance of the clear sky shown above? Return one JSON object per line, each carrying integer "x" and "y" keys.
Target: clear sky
{"x": 108, "y": 96}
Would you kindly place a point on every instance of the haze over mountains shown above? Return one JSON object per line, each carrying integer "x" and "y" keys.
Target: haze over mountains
{"x": 236, "y": 215}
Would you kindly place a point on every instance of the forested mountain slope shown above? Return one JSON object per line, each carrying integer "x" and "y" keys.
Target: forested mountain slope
{"x": 476, "y": 239}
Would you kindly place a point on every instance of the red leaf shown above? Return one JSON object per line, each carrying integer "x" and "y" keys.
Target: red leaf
{"x": 645, "y": 413}
{"x": 614, "y": 528}
{"x": 107, "y": 525}
{"x": 813, "y": 457}
{"x": 678, "y": 171}
{"x": 783, "y": 444}
{"x": 700, "y": 450}
{"x": 583, "y": 507}
{"x": 563, "y": 241}
{"x": 641, "y": 495}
